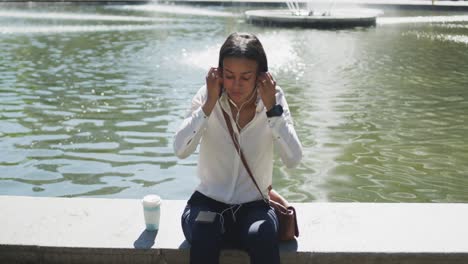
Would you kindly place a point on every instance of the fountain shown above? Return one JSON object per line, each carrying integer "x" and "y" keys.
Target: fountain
{"x": 303, "y": 14}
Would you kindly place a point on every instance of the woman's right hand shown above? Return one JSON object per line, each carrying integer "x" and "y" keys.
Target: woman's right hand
{"x": 214, "y": 82}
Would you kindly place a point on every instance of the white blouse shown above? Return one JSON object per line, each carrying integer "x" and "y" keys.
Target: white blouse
{"x": 222, "y": 175}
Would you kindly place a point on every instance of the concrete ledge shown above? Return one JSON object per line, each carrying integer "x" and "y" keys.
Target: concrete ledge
{"x": 90, "y": 230}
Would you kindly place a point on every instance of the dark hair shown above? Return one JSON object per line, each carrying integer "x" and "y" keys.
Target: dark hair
{"x": 244, "y": 45}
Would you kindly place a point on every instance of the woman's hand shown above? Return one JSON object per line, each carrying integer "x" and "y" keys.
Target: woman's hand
{"x": 266, "y": 87}
{"x": 214, "y": 82}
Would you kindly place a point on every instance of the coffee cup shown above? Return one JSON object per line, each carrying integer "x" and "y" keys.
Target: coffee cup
{"x": 152, "y": 211}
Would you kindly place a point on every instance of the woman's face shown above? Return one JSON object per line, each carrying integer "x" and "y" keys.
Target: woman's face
{"x": 239, "y": 78}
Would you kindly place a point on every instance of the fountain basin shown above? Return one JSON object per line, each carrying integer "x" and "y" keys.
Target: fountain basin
{"x": 337, "y": 19}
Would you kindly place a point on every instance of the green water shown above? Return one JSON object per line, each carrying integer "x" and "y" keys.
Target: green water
{"x": 90, "y": 97}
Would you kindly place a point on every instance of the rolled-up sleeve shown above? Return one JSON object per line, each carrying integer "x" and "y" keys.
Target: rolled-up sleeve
{"x": 188, "y": 135}
{"x": 285, "y": 138}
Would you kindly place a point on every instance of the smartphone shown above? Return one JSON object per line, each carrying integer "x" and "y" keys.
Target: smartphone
{"x": 205, "y": 217}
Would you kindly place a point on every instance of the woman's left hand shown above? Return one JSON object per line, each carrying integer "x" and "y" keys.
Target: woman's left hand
{"x": 266, "y": 87}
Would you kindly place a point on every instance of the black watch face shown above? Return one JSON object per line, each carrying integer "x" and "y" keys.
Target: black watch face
{"x": 277, "y": 110}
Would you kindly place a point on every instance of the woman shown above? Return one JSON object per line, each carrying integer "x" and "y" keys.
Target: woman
{"x": 227, "y": 207}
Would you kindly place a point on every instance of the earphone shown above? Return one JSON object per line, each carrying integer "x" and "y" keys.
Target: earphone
{"x": 238, "y": 114}
{"x": 239, "y": 109}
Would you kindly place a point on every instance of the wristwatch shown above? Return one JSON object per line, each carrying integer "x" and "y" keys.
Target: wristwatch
{"x": 276, "y": 110}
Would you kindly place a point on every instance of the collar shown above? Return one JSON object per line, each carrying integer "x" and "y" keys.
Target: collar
{"x": 224, "y": 102}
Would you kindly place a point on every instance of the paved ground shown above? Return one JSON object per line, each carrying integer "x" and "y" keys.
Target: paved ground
{"x": 97, "y": 230}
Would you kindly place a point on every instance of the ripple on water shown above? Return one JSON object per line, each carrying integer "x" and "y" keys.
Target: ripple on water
{"x": 12, "y": 127}
{"x": 88, "y": 146}
{"x": 130, "y": 124}
{"x": 116, "y": 158}
{"x": 142, "y": 141}
{"x": 76, "y": 122}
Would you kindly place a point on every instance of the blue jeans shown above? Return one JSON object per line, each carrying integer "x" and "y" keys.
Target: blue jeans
{"x": 251, "y": 226}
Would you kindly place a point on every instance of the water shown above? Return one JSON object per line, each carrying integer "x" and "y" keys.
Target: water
{"x": 310, "y": 7}
{"x": 90, "y": 97}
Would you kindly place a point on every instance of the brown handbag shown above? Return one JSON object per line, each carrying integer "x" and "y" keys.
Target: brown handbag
{"x": 286, "y": 215}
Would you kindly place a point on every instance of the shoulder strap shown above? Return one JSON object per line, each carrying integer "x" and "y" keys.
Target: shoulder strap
{"x": 236, "y": 145}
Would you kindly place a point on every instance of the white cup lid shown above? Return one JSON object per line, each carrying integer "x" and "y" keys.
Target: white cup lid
{"x": 151, "y": 200}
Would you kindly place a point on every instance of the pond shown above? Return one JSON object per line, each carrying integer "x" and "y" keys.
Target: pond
{"x": 91, "y": 95}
